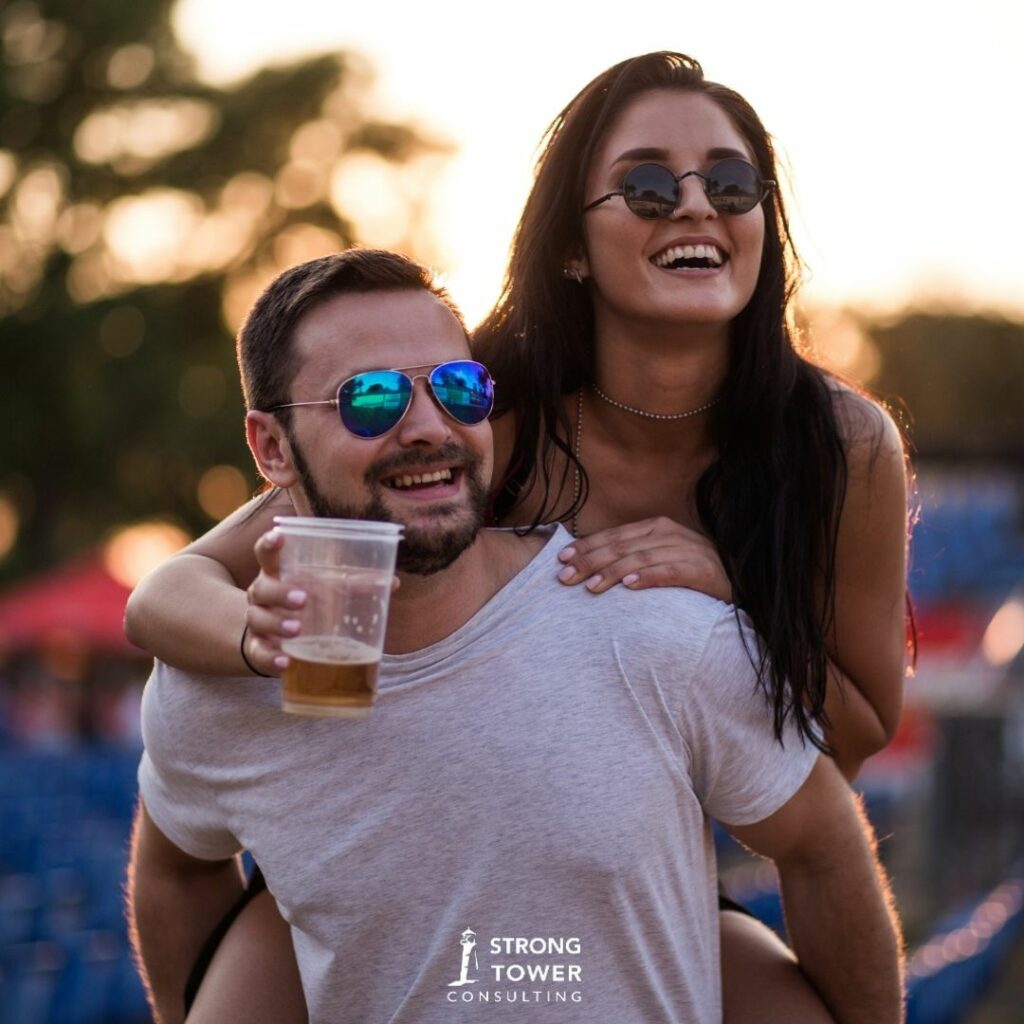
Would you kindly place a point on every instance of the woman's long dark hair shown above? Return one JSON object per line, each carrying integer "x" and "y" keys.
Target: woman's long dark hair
{"x": 771, "y": 500}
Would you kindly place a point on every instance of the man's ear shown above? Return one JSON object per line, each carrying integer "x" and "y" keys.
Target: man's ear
{"x": 270, "y": 448}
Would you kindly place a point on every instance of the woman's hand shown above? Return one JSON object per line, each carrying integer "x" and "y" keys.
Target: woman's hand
{"x": 270, "y": 617}
{"x": 650, "y": 553}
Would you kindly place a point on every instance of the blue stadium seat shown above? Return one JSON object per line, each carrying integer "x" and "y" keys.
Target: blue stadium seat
{"x": 21, "y": 903}
{"x": 32, "y": 971}
{"x": 86, "y": 988}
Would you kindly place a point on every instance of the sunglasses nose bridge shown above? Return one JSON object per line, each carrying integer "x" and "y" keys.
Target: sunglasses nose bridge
{"x": 688, "y": 193}
{"x": 424, "y": 418}
{"x": 427, "y": 389}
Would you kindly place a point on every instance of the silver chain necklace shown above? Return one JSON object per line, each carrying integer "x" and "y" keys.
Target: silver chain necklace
{"x": 654, "y": 415}
{"x": 577, "y": 482}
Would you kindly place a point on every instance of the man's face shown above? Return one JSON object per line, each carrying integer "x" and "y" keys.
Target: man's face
{"x": 348, "y": 477}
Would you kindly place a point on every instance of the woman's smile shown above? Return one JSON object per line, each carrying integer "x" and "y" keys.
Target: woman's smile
{"x": 695, "y": 265}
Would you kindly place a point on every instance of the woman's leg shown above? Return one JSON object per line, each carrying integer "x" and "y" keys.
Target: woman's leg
{"x": 253, "y": 976}
{"x": 761, "y": 982}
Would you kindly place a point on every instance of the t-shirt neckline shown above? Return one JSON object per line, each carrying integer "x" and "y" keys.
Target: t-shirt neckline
{"x": 488, "y": 616}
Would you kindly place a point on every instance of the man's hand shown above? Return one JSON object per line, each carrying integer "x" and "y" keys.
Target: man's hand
{"x": 839, "y": 912}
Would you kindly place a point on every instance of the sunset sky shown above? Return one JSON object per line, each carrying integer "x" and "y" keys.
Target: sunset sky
{"x": 897, "y": 120}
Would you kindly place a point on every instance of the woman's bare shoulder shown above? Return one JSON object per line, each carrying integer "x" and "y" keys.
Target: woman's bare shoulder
{"x": 868, "y": 430}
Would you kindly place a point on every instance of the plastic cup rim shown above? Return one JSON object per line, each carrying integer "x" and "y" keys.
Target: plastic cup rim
{"x": 322, "y": 526}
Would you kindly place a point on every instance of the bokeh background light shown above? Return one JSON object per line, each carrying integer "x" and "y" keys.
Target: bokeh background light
{"x": 133, "y": 551}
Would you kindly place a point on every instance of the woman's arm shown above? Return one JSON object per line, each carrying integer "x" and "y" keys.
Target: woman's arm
{"x": 868, "y": 643}
{"x": 190, "y": 611}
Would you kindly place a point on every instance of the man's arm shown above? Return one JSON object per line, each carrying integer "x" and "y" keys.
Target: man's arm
{"x": 174, "y": 902}
{"x": 839, "y": 914}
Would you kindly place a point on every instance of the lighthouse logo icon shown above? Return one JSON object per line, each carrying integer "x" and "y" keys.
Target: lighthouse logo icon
{"x": 468, "y": 944}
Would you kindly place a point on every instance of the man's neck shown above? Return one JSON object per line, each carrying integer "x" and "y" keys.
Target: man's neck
{"x": 426, "y": 609}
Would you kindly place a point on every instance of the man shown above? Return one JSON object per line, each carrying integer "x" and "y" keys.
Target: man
{"x": 524, "y": 818}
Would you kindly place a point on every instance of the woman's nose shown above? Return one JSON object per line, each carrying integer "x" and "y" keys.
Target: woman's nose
{"x": 693, "y": 200}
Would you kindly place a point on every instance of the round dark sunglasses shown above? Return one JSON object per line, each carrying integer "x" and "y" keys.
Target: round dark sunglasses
{"x": 652, "y": 191}
{"x": 373, "y": 402}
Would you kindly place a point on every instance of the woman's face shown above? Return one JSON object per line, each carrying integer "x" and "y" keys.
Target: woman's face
{"x": 629, "y": 259}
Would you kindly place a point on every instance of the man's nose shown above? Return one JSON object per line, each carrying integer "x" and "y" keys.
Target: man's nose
{"x": 425, "y": 423}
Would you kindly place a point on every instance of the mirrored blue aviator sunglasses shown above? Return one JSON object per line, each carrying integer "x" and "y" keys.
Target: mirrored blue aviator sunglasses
{"x": 374, "y": 402}
{"x": 651, "y": 191}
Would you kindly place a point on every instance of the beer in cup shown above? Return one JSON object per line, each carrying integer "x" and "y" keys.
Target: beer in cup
{"x": 345, "y": 566}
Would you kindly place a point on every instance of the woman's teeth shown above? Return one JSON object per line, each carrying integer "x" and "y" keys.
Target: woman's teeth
{"x": 414, "y": 479}
{"x": 690, "y": 256}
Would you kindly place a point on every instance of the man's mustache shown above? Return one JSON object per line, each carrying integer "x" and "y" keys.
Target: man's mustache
{"x": 445, "y": 454}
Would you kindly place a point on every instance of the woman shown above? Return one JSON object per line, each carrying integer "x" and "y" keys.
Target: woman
{"x": 652, "y": 396}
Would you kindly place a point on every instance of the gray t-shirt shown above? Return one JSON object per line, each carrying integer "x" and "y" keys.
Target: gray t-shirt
{"x": 522, "y": 822}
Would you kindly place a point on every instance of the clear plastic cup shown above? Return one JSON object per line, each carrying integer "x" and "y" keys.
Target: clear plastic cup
{"x": 345, "y": 566}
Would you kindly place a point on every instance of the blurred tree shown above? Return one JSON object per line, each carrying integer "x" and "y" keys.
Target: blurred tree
{"x": 141, "y": 212}
{"x": 960, "y": 377}
{"x": 956, "y": 380}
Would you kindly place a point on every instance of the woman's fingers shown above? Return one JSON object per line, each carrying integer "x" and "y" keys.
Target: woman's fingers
{"x": 607, "y": 545}
{"x": 616, "y": 537}
{"x": 650, "y": 553}
{"x": 268, "y": 552}
{"x": 270, "y": 661}
{"x": 271, "y": 624}
{"x": 269, "y": 592}
{"x": 595, "y": 553}
{"x": 668, "y": 566}
{"x": 705, "y": 574}
{"x": 273, "y": 603}
{"x": 273, "y": 606}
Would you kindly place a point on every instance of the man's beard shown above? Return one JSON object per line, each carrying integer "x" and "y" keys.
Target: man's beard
{"x": 421, "y": 552}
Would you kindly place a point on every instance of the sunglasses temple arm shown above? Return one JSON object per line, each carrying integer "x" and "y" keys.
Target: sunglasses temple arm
{"x": 597, "y": 202}
{"x": 295, "y": 405}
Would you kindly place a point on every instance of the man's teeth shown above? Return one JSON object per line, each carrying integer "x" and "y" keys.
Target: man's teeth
{"x": 711, "y": 253}
{"x": 411, "y": 479}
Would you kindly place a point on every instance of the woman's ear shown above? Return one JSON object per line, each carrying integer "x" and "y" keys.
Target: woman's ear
{"x": 269, "y": 445}
{"x": 576, "y": 268}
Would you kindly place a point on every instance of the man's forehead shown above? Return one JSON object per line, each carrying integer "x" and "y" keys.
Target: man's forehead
{"x": 378, "y": 330}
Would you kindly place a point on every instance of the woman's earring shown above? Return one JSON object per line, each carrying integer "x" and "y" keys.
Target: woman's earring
{"x": 573, "y": 273}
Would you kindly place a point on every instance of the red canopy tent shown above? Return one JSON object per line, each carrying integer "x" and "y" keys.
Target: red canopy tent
{"x": 80, "y": 605}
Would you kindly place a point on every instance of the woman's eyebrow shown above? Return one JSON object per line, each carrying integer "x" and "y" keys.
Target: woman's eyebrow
{"x": 725, "y": 152}
{"x": 641, "y": 153}
{"x": 656, "y": 153}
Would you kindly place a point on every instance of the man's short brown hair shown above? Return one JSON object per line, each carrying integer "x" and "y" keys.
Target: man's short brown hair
{"x": 266, "y": 358}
